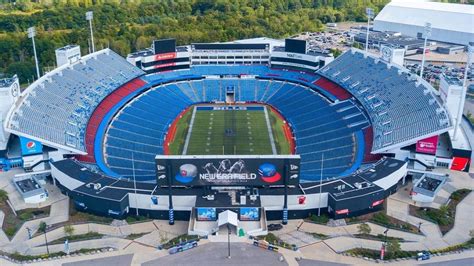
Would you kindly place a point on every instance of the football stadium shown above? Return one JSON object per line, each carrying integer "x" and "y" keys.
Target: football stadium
{"x": 268, "y": 129}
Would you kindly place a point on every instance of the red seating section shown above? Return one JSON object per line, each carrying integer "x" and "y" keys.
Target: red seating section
{"x": 101, "y": 110}
{"x": 332, "y": 88}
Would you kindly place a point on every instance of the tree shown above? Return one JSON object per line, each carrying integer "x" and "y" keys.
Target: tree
{"x": 393, "y": 246}
{"x": 69, "y": 230}
{"x": 364, "y": 229}
{"x": 42, "y": 228}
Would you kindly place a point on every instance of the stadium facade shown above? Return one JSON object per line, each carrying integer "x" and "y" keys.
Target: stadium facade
{"x": 105, "y": 124}
{"x": 451, "y": 23}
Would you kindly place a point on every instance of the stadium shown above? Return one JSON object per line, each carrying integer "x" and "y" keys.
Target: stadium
{"x": 268, "y": 129}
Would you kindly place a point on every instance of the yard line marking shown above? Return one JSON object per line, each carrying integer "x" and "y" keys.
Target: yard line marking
{"x": 188, "y": 136}
{"x": 269, "y": 129}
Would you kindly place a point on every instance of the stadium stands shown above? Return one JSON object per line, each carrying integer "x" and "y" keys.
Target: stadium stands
{"x": 115, "y": 116}
{"x": 57, "y": 107}
{"x": 139, "y": 129}
{"x": 402, "y": 107}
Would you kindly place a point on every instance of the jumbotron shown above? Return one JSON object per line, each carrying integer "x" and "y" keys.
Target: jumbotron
{"x": 269, "y": 129}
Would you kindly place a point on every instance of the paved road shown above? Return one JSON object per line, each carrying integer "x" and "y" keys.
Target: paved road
{"x": 216, "y": 254}
{"x": 305, "y": 262}
{"x": 123, "y": 260}
{"x": 460, "y": 262}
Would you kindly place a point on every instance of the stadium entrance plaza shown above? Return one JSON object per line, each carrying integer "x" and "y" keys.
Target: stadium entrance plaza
{"x": 313, "y": 251}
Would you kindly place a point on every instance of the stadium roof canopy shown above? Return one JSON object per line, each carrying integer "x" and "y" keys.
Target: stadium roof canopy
{"x": 451, "y": 23}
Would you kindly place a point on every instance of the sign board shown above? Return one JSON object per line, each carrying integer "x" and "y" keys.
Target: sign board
{"x": 30, "y": 147}
{"x": 427, "y": 145}
{"x": 227, "y": 170}
{"x": 164, "y": 46}
{"x": 295, "y": 46}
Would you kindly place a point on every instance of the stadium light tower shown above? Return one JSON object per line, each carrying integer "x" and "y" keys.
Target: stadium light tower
{"x": 370, "y": 13}
{"x": 89, "y": 17}
{"x": 470, "y": 54}
{"x": 31, "y": 35}
{"x": 427, "y": 34}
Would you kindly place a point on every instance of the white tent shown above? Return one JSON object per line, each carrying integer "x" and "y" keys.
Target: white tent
{"x": 452, "y": 23}
{"x": 228, "y": 217}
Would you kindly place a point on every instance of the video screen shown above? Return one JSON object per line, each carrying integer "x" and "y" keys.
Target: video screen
{"x": 249, "y": 214}
{"x": 206, "y": 214}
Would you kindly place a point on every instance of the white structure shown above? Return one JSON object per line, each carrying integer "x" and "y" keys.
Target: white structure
{"x": 9, "y": 93}
{"x": 68, "y": 54}
{"x": 30, "y": 188}
{"x": 452, "y": 23}
{"x": 451, "y": 91}
{"x": 392, "y": 55}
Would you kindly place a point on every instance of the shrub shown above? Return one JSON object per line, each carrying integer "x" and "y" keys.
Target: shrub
{"x": 381, "y": 218}
{"x": 459, "y": 194}
{"x": 364, "y": 229}
{"x": 323, "y": 219}
{"x": 10, "y": 232}
{"x": 69, "y": 230}
{"x": 25, "y": 216}
{"x": 3, "y": 195}
{"x": 393, "y": 246}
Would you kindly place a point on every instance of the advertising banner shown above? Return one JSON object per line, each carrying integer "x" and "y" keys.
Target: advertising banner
{"x": 29, "y": 147}
{"x": 206, "y": 214}
{"x": 249, "y": 214}
{"x": 427, "y": 145}
{"x": 228, "y": 170}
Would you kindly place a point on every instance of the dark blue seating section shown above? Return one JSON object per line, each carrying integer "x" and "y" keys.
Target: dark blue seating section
{"x": 320, "y": 126}
{"x": 139, "y": 130}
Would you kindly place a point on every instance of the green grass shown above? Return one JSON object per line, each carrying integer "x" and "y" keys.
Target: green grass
{"x": 137, "y": 219}
{"x": 76, "y": 238}
{"x": 281, "y": 143}
{"x": 11, "y": 223}
{"x": 322, "y": 219}
{"x": 176, "y": 145}
{"x": 379, "y": 237}
{"x": 227, "y": 132}
{"x": 135, "y": 236}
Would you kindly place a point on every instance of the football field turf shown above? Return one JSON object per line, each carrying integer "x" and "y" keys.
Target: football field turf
{"x": 228, "y": 132}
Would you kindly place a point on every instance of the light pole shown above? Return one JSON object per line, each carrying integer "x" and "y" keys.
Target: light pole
{"x": 321, "y": 184}
{"x": 427, "y": 34}
{"x": 89, "y": 17}
{"x": 228, "y": 241}
{"x": 135, "y": 183}
{"x": 29, "y": 232}
{"x": 384, "y": 245}
{"x": 470, "y": 52}
{"x": 31, "y": 35}
{"x": 370, "y": 13}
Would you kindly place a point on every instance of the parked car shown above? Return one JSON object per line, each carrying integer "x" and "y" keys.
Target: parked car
{"x": 424, "y": 255}
{"x": 274, "y": 227}
{"x": 182, "y": 247}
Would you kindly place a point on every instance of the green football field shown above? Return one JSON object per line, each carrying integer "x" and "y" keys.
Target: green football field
{"x": 204, "y": 131}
